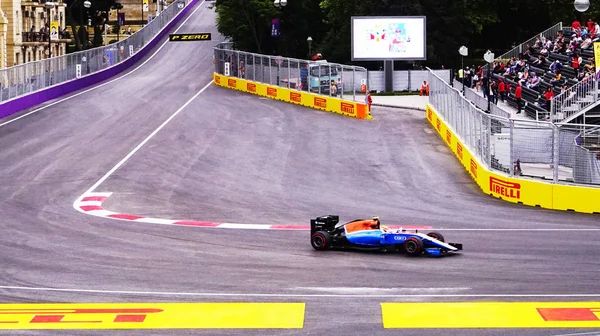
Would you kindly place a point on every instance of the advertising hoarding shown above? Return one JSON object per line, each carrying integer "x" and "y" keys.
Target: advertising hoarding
{"x": 376, "y": 38}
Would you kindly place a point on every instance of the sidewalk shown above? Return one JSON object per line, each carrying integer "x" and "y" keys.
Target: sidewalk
{"x": 414, "y": 102}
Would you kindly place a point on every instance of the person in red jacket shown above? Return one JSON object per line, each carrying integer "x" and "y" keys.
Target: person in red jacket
{"x": 575, "y": 65}
{"x": 518, "y": 97}
{"x": 502, "y": 90}
{"x": 548, "y": 94}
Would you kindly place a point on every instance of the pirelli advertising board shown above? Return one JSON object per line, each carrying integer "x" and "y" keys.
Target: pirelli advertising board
{"x": 190, "y": 37}
{"x": 324, "y": 103}
{"x": 524, "y": 191}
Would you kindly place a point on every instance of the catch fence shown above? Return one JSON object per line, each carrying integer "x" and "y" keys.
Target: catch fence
{"x": 29, "y": 77}
{"x": 319, "y": 77}
{"x": 558, "y": 153}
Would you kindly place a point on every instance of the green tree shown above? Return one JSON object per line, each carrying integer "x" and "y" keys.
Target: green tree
{"x": 248, "y": 24}
{"x": 450, "y": 23}
{"x": 97, "y": 14}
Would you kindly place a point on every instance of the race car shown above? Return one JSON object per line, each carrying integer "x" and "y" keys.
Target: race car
{"x": 368, "y": 234}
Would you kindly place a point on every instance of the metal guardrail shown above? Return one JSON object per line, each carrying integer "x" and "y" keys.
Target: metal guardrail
{"x": 26, "y": 78}
{"x": 514, "y": 52}
{"x": 543, "y": 150}
{"x": 480, "y": 101}
{"x": 324, "y": 78}
{"x": 570, "y": 103}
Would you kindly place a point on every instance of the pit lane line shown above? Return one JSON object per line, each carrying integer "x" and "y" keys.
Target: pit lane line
{"x": 110, "y": 81}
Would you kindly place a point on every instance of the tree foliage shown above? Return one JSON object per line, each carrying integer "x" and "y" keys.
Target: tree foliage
{"x": 479, "y": 24}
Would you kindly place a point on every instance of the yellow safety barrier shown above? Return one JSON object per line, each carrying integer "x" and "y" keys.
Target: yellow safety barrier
{"x": 319, "y": 102}
{"x": 528, "y": 192}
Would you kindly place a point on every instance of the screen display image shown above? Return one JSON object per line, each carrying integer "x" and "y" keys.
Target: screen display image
{"x": 388, "y": 38}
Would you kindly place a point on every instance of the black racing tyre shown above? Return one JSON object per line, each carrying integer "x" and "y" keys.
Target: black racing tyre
{"x": 413, "y": 246}
{"x": 321, "y": 240}
{"x": 436, "y": 235}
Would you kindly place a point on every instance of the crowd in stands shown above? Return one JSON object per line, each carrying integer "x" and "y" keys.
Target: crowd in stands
{"x": 548, "y": 67}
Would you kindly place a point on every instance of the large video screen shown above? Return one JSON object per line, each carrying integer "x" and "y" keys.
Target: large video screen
{"x": 377, "y": 38}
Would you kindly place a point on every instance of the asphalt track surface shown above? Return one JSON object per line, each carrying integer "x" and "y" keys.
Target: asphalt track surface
{"x": 232, "y": 157}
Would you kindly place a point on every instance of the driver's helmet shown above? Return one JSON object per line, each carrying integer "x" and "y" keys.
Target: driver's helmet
{"x": 375, "y": 223}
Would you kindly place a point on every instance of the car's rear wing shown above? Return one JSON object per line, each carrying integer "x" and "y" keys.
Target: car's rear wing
{"x": 323, "y": 223}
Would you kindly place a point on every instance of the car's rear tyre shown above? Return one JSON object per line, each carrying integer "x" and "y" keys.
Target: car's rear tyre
{"x": 436, "y": 235}
{"x": 413, "y": 246}
{"x": 321, "y": 240}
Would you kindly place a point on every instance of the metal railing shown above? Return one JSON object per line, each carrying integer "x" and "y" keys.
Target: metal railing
{"x": 26, "y": 78}
{"x": 404, "y": 80}
{"x": 480, "y": 101}
{"x": 570, "y": 103}
{"x": 543, "y": 150}
{"x": 514, "y": 52}
{"x": 324, "y": 78}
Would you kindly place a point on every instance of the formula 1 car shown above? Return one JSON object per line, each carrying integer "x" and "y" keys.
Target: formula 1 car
{"x": 368, "y": 234}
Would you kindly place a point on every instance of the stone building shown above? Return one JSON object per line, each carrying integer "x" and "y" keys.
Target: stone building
{"x": 3, "y": 30}
{"x": 28, "y": 33}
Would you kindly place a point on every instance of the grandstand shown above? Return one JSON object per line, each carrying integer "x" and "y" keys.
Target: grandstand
{"x": 576, "y": 97}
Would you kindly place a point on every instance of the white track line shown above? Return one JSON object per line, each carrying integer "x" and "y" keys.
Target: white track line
{"x": 592, "y": 333}
{"x": 105, "y": 83}
{"x": 509, "y": 229}
{"x": 152, "y": 293}
{"x": 141, "y": 144}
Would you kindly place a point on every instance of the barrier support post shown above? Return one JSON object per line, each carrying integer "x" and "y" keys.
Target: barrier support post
{"x": 511, "y": 166}
{"x": 555, "y": 152}
{"x": 353, "y": 83}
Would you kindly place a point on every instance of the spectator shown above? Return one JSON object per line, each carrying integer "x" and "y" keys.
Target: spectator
{"x": 518, "y": 97}
{"x": 596, "y": 34}
{"x": 523, "y": 77}
{"x": 534, "y": 81}
{"x": 490, "y": 90}
{"x": 576, "y": 61}
{"x": 590, "y": 26}
{"x": 576, "y": 25}
{"x": 556, "y": 65}
{"x": 540, "y": 61}
{"x": 424, "y": 89}
{"x": 548, "y": 95}
{"x": 477, "y": 82}
{"x": 557, "y": 80}
{"x": 485, "y": 85}
{"x": 587, "y": 43}
{"x": 502, "y": 90}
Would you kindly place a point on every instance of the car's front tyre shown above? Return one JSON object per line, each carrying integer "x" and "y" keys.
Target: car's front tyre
{"x": 413, "y": 246}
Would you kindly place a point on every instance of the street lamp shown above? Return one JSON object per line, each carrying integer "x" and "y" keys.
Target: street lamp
{"x": 80, "y": 32}
{"x": 49, "y": 5}
{"x": 489, "y": 57}
{"x": 309, "y": 40}
{"x": 280, "y": 3}
{"x": 581, "y": 5}
{"x": 463, "y": 51}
